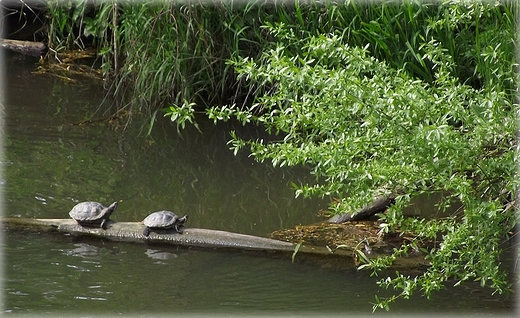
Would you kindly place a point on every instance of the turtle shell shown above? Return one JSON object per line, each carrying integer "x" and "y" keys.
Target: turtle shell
{"x": 92, "y": 212}
{"x": 163, "y": 220}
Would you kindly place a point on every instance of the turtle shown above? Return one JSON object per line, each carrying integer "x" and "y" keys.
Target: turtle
{"x": 163, "y": 220}
{"x": 92, "y": 213}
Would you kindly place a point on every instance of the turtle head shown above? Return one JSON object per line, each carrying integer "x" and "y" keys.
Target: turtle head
{"x": 182, "y": 220}
{"x": 111, "y": 208}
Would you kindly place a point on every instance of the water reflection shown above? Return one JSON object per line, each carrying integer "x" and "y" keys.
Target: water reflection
{"x": 83, "y": 250}
{"x": 160, "y": 255}
{"x": 58, "y": 274}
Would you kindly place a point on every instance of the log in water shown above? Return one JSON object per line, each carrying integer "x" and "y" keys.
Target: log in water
{"x": 195, "y": 237}
{"x": 25, "y": 47}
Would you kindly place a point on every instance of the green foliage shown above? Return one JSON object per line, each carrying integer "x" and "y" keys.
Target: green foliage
{"x": 182, "y": 114}
{"x": 77, "y": 24}
{"x": 296, "y": 249}
{"x": 367, "y": 129}
{"x": 178, "y": 51}
{"x": 165, "y": 52}
{"x": 64, "y": 17}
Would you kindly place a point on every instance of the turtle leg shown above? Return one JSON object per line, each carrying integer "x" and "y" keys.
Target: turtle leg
{"x": 103, "y": 224}
{"x": 178, "y": 230}
{"x": 146, "y": 231}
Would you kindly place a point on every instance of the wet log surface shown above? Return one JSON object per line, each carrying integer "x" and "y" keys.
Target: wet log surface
{"x": 194, "y": 237}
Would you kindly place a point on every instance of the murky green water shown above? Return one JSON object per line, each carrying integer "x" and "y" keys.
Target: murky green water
{"x": 51, "y": 163}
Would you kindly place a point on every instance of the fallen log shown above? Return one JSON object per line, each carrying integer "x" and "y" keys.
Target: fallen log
{"x": 193, "y": 237}
{"x": 25, "y": 47}
{"x": 345, "y": 257}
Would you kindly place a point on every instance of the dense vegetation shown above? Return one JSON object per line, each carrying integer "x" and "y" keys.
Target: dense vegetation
{"x": 403, "y": 98}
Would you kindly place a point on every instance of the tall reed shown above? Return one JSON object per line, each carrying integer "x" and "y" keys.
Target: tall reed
{"x": 179, "y": 52}
{"x": 170, "y": 53}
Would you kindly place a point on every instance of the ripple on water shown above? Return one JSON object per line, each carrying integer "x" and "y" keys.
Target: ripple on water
{"x": 89, "y": 298}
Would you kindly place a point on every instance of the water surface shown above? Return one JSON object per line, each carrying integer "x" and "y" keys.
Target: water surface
{"x": 51, "y": 163}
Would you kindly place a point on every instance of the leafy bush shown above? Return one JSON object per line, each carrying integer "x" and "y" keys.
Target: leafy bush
{"x": 367, "y": 129}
